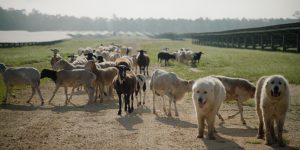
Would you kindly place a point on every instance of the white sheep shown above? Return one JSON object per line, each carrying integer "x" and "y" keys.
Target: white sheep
{"x": 63, "y": 64}
{"x": 80, "y": 60}
{"x": 21, "y": 76}
{"x": 167, "y": 83}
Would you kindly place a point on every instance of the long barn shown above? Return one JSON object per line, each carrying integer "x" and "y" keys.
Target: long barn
{"x": 285, "y": 37}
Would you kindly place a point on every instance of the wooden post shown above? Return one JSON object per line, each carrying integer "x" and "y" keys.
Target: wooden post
{"x": 245, "y": 42}
{"x": 272, "y": 43}
{"x": 239, "y": 42}
{"x": 253, "y": 42}
{"x": 262, "y": 41}
{"x": 298, "y": 42}
{"x": 283, "y": 42}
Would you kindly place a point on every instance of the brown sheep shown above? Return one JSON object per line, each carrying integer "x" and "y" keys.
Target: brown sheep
{"x": 104, "y": 77}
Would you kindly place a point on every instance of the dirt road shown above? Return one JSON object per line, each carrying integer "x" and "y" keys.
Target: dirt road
{"x": 97, "y": 126}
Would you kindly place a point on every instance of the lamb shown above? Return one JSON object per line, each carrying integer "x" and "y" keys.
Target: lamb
{"x": 272, "y": 103}
{"x": 143, "y": 61}
{"x": 237, "y": 89}
{"x": 21, "y": 76}
{"x": 104, "y": 77}
{"x": 71, "y": 78}
{"x": 141, "y": 83}
{"x": 125, "y": 83}
{"x": 56, "y": 57}
{"x": 63, "y": 64}
{"x": 167, "y": 83}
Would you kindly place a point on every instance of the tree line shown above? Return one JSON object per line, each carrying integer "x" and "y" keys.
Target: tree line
{"x": 12, "y": 19}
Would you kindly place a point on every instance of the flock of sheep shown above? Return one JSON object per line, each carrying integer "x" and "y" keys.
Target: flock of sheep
{"x": 183, "y": 55}
{"x": 101, "y": 70}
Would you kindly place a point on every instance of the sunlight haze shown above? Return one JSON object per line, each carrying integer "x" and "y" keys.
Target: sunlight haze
{"x": 171, "y": 9}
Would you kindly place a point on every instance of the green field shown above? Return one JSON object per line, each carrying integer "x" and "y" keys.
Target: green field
{"x": 249, "y": 64}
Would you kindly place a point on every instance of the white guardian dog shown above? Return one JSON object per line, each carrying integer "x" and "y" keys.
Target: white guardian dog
{"x": 208, "y": 95}
{"x": 272, "y": 103}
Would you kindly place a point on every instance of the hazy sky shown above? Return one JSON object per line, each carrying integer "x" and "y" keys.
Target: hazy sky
{"x": 189, "y": 9}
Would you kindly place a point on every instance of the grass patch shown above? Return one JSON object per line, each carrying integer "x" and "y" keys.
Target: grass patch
{"x": 249, "y": 64}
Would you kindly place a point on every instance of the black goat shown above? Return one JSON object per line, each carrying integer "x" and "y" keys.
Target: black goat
{"x": 196, "y": 57}
{"x": 143, "y": 61}
{"x": 125, "y": 83}
{"x": 165, "y": 56}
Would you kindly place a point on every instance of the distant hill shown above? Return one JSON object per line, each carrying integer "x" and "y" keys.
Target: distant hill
{"x": 12, "y": 19}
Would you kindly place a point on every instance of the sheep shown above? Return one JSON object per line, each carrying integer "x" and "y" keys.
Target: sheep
{"x": 104, "y": 77}
{"x": 196, "y": 57}
{"x": 80, "y": 60}
{"x": 184, "y": 55}
{"x": 188, "y": 55}
{"x": 100, "y": 59}
{"x": 167, "y": 83}
{"x": 123, "y": 61}
{"x": 56, "y": 57}
{"x": 130, "y": 60}
{"x": 105, "y": 55}
{"x": 63, "y": 64}
{"x": 126, "y": 51}
{"x": 72, "y": 58}
{"x": 125, "y": 83}
{"x": 21, "y": 76}
{"x": 85, "y": 50}
{"x": 141, "y": 83}
{"x": 143, "y": 61}
{"x": 71, "y": 78}
{"x": 237, "y": 89}
{"x": 114, "y": 56}
{"x": 165, "y": 56}
{"x": 134, "y": 63}
{"x": 181, "y": 57}
{"x": 106, "y": 64}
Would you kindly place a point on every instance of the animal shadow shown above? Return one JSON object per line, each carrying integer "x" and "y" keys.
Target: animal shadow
{"x": 129, "y": 120}
{"x": 175, "y": 122}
